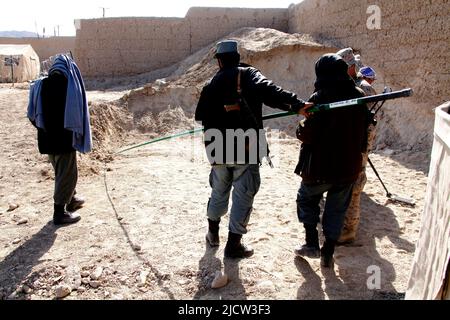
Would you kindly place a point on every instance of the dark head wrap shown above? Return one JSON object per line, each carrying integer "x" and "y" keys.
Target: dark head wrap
{"x": 332, "y": 73}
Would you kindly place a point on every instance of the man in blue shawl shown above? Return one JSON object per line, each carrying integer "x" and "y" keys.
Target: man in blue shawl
{"x": 58, "y": 109}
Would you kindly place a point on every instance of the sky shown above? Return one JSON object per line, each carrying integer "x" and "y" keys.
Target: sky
{"x": 35, "y": 15}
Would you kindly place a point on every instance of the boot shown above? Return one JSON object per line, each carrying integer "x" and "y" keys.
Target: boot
{"x": 75, "y": 203}
{"x": 235, "y": 249}
{"x": 327, "y": 251}
{"x": 311, "y": 249}
{"x": 61, "y": 216}
{"x": 347, "y": 236}
{"x": 212, "y": 237}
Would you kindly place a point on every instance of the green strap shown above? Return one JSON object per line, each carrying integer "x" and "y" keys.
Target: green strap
{"x": 316, "y": 108}
{"x": 198, "y": 130}
{"x": 186, "y": 133}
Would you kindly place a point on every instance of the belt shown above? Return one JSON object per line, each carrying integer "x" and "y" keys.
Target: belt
{"x": 232, "y": 107}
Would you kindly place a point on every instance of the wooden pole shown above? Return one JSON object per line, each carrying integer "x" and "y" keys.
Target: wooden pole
{"x": 12, "y": 71}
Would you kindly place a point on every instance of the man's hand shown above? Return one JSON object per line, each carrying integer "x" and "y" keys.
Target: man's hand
{"x": 304, "y": 111}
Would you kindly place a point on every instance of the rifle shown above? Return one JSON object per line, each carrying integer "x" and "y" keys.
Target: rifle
{"x": 316, "y": 108}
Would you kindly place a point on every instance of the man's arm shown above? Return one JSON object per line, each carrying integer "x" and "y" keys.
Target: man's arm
{"x": 202, "y": 105}
{"x": 274, "y": 96}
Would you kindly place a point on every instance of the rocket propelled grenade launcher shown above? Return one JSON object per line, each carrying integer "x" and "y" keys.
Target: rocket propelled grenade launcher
{"x": 352, "y": 102}
{"x": 347, "y": 103}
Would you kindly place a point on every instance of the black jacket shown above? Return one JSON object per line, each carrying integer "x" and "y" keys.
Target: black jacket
{"x": 333, "y": 141}
{"x": 54, "y": 139}
{"x": 256, "y": 91}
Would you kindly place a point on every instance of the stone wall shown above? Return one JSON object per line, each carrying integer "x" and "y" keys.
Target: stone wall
{"x": 125, "y": 46}
{"x": 411, "y": 49}
{"x": 45, "y": 47}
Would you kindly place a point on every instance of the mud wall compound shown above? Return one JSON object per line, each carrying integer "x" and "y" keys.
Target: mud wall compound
{"x": 124, "y": 46}
{"x": 406, "y": 42}
{"x": 45, "y": 47}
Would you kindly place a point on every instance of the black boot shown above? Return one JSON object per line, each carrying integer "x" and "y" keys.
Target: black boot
{"x": 327, "y": 251}
{"x": 311, "y": 249}
{"x": 61, "y": 216}
{"x": 234, "y": 247}
{"x": 75, "y": 203}
{"x": 212, "y": 237}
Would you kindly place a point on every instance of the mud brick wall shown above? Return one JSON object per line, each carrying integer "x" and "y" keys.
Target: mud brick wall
{"x": 209, "y": 24}
{"x": 411, "y": 49}
{"x": 123, "y": 46}
{"x": 126, "y": 46}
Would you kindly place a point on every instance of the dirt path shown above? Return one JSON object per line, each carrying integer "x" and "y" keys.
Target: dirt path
{"x": 143, "y": 226}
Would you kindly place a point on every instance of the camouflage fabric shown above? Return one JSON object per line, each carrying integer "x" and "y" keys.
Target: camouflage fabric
{"x": 352, "y": 215}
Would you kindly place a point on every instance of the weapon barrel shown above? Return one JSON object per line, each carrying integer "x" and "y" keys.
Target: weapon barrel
{"x": 388, "y": 96}
{"x": 353, "y": 102}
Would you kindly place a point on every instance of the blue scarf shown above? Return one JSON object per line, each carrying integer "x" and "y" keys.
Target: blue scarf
{"x": 76, "y": 116}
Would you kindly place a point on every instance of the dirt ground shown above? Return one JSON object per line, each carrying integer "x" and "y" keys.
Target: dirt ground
{"x": 142, "y": 230}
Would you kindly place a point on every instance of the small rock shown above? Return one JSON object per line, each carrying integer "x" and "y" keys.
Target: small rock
{"x": 123, "y": 279}
{"x": 388, "y": 152}
{"x": 26, "y": 289}
{"x": 12, "y": 296}
{"x": 137, "y": 247}
{"x": 97, "y": 273}
{"x": 84, "y": 274}
{"x": 16, "y": 241}
{"x": 94, "y": 284}
{"x": 143, "y": 278}
{"x": 120, "y": 218}
{"x": 62, "y": 291}
{"x": 75, "y": 282}
{"x": 81, "y": 289}
{"x": 220, "y": 280}
{"x": 12, "y": 207}
{"x": 160, "y": 82}
{"x": 57, "y": 279}
{"x": 117, "y": 297}
{"x": 85, "y": 280}
{"x": 22, "y": 221}
{"x": 182, "y": 282}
